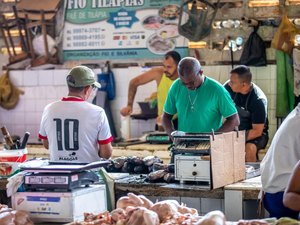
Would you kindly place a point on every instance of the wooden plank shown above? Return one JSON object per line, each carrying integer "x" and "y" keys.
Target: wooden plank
{"x": 239, "y": 140}
{"x": 38, "y": 5}
{"x": 222, "y": 160}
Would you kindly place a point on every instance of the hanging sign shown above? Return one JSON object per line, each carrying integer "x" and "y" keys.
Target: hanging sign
{"x": 122, "y": 29}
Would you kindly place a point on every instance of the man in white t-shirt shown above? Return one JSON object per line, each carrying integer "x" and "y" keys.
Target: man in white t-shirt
{"x": 73, "y": 129}
{"x": 278, "y": 164}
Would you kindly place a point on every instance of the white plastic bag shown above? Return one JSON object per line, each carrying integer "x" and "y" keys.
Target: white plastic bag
{"x": 39, "y": 47}
{"x": 125, "y": 127}
{"x": 14, "y": 183}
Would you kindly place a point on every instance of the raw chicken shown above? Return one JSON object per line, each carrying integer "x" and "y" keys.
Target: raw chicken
{"x": 21, "y": 218}
{"x": 9, "y": 216}
{"x": 129, "y": 200}
{"x": 165, "y": 209}
{"x": 147, "y": 203}
{"x": 6, "y": 218}
{"x": 169, "y": 208}
{"x": 142, "y": 216}
{"x": 118, "y": 214}
{"x": 213, "y": 218}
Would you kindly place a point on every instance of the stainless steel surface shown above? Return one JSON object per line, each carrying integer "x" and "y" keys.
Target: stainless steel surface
{"x": 192, "y": 168}
{"x": 189, "y": 153}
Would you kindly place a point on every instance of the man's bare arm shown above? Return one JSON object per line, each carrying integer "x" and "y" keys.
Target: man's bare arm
{"x": 256, "y": 131}
{"x": 291, "y": 198}
{"x": 167, "y": 124}
{"x": 153, "y": 74}
{"x": 45, "y": 143}
{"x": 230, "y": 123}
{"x": 105, "y": 151}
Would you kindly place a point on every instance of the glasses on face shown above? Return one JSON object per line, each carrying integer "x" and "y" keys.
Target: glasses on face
{"x": 94, "y": 88}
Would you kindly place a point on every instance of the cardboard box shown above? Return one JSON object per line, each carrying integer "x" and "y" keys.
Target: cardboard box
{"x": 10, "y": 160}
{"x": 61, "y": 206}
{"x": 227, "y": 158}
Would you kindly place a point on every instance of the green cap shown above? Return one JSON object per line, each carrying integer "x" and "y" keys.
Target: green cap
{"x": 81, "y": 76}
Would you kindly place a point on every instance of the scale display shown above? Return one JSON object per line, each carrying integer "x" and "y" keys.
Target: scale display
{"x": 46, "y": 179}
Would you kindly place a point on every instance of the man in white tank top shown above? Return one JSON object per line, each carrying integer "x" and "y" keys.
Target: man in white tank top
{"x": 73, "y": 129}
{"x": 278, "y": 164}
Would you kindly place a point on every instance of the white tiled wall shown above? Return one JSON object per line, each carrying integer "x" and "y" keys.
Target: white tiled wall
{"x": 122, "y": 79}
{"x": 40, "y": 89}
{"x": 44, "y": 86}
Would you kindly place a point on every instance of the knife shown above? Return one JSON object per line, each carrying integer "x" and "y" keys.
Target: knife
{"x": 25, "y": 140}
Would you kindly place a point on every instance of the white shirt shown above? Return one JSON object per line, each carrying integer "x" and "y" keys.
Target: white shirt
{"x": 74, "y": 128}
{"x": 283, "y": 154}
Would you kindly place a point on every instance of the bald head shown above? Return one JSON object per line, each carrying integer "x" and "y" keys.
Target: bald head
{"x": 189, "y": 66}
{"x": 190, "y": 73}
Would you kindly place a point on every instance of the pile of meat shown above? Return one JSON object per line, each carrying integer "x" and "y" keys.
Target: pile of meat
{"x": 138, "y": 210}
{"x": 133, "y": 164}
{"x": 151, "y": 165}
{"x": 9, "y": 216}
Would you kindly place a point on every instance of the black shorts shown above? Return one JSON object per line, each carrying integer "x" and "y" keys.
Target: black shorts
{"x": 260, "y": 142}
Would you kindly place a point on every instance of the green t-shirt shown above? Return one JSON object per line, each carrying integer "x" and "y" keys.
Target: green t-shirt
{"x": 211, "y": 103}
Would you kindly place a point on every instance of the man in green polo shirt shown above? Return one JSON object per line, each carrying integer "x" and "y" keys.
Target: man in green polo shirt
{"x": 200, "y": 102}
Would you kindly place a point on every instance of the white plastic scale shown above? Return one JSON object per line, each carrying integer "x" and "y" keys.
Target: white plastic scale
{"x": 45, "y": 175}
{"x": 58, "y": 192}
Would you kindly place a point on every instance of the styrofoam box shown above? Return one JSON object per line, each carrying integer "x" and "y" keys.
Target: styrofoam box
{"x": 61, "y": 206}
{"x": 10, "y": 160}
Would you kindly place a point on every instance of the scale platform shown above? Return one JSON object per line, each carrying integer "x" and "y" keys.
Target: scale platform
{"x": 54, "y": 176}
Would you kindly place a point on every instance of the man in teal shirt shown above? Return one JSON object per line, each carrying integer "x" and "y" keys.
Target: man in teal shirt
{"x": 200, "y": 102}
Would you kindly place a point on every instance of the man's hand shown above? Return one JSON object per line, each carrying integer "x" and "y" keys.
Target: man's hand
{"x": 126, "y": 111}
{"x": 159, "y": 121}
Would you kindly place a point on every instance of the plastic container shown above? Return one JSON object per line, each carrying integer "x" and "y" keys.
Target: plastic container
{"x": 125, "y": 127}
{"x": 10, "y": 160}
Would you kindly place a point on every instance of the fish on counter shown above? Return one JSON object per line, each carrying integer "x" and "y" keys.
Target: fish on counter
{"x": 133, "y": 164}
{"x": 151, "y": 165}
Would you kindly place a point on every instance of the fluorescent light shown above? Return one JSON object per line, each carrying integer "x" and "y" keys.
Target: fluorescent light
{"x": 4, "y": 50}
{"x": 292, "y": 2}
{"x": 262, "y": 3}
{"x": 198, "y": 44}
{"x": 14, "y": 33}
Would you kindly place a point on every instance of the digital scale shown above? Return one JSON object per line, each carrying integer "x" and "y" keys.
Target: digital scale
{"x": 53, "y": 186}
{"x": 47, "y": 175}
